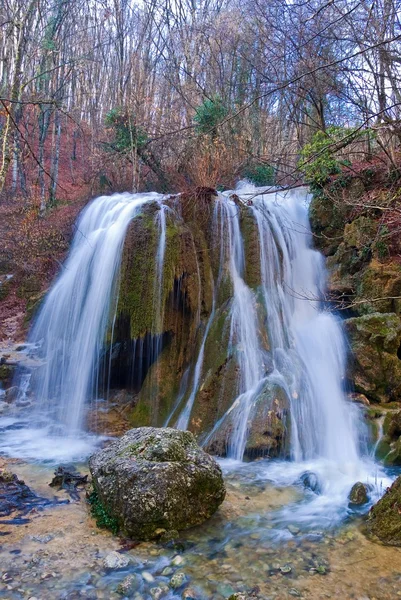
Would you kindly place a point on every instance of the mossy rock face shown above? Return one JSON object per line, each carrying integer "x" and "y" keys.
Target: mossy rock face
{"x": 376, "y": 368}
{"x": 379, "y": 280}
{"x": 156, "y": 479}
{"x": 384, "y": 521}
{"x": 6, "y": 374}
{"x": 392, "y": 424}
{"x": 30, "y": 286}
{"x": 327, "y": 221}
{"x": 250, "y": 234}
{"x": 360, "y": 232}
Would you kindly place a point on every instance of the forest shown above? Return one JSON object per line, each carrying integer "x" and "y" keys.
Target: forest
{"x": 200, "y": 299}
{"x": 168, "y": 95}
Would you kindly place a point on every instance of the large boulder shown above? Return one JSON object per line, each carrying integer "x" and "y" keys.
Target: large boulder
{"x": 154, "y": 480}
{"x": 384, "y": 521}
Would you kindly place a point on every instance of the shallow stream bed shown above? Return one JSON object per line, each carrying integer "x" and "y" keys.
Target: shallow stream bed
{"x": 248, "y": 546}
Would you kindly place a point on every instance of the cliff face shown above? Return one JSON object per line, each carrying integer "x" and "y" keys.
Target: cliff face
{"x": 356, "y": 221}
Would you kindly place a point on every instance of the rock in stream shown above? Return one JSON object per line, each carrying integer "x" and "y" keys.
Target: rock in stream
{"x": 154, "y": 480}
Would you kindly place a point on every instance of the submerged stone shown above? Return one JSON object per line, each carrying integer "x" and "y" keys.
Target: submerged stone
{"x": 311, "y": 481}
{"x": 358, "y": 494}
{"x": 156, "y": 478}
{"x": 384, "y": 521}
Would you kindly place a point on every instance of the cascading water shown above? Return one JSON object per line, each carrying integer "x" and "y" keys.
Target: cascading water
{"x": 279, "y": 335}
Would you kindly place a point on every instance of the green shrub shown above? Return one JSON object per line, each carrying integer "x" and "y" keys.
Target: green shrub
{"x": 209, "y": 115}
{"x": 259, "y": 174}
{"x": 125, "y": 134}
{"x": 318, "y": 160}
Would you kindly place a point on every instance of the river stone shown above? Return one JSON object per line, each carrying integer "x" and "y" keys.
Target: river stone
{"x": 155, "y": 478}
{"x": 358, "y": 494}
{"x": 384, "y": 520}
{"x": 115, "y": 560}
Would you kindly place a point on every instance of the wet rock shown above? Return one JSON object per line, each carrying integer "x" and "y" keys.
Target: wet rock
{"x": 159, "y": 592}
{"x": 189, "y": 594}
{"x": 358, "y": 398}
{"x": 285, "y": 569}
{"x": 178, "y": 580}
{"x": 358, "y": 494}
{"x": 311, "y": 481}
{"x": 268, "y": 427}
{"x": 389, "y": 447}
{"x": 293, "y": 529}
{"x": 11, "y": 394}
{"x": 384, "y": 520}
{"x": 16, "y": 497}
{"x": 69, "y": 479}
{"x": 127, "y": 585}
{"x": 268, "y": 424}
{"x": 4, "y": 406}
{"x": 115, "y": 561}
{"x": 154, "y": 479}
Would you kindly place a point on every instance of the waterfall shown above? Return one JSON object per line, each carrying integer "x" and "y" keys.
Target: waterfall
{"x": 279, "y": 331}
{"x": 71, "y": 327}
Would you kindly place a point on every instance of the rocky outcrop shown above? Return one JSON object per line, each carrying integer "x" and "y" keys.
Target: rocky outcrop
{"x": 152, "y": 481}
{"x": 353, "y": 222}
{"x": 375, "y": 367}
{"x": 384, "y": 520}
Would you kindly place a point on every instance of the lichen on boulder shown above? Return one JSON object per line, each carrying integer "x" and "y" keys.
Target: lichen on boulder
{"x": 156, "y": 480}
{"x": 384, "y": 520}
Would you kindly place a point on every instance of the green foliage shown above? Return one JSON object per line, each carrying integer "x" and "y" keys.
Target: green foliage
{"x": 99, "y": 513}
{"x": 318, "y": 159}
{"x": 259, "y": 174}
{"x": 209, "y": 114}
{"x": 126, "y": 135}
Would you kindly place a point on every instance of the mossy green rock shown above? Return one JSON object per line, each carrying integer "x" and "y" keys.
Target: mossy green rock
{"x": 379, "y": 280}
{"x": 384, "y": 521}
{"x": 376, "y": 369}
{"x": 358, "y": 494}
{"x": 156, "y": 479}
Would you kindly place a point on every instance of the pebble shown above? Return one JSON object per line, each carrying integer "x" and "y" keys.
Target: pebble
{"x": 127, "y": 585}
{"x": 115, "y": 560}
{"x": 159, "y": 592}
{"x": 42, "y": 539}
{"x": 188, "y": 594}
{"x": 177, "y": 580}
{"x": 148, "y": 577}
{"x": 285, "y": 569}
{"x": 177, "y": 560}
{"x": 294, "y": 592}
{"x": 167, "y": 571}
